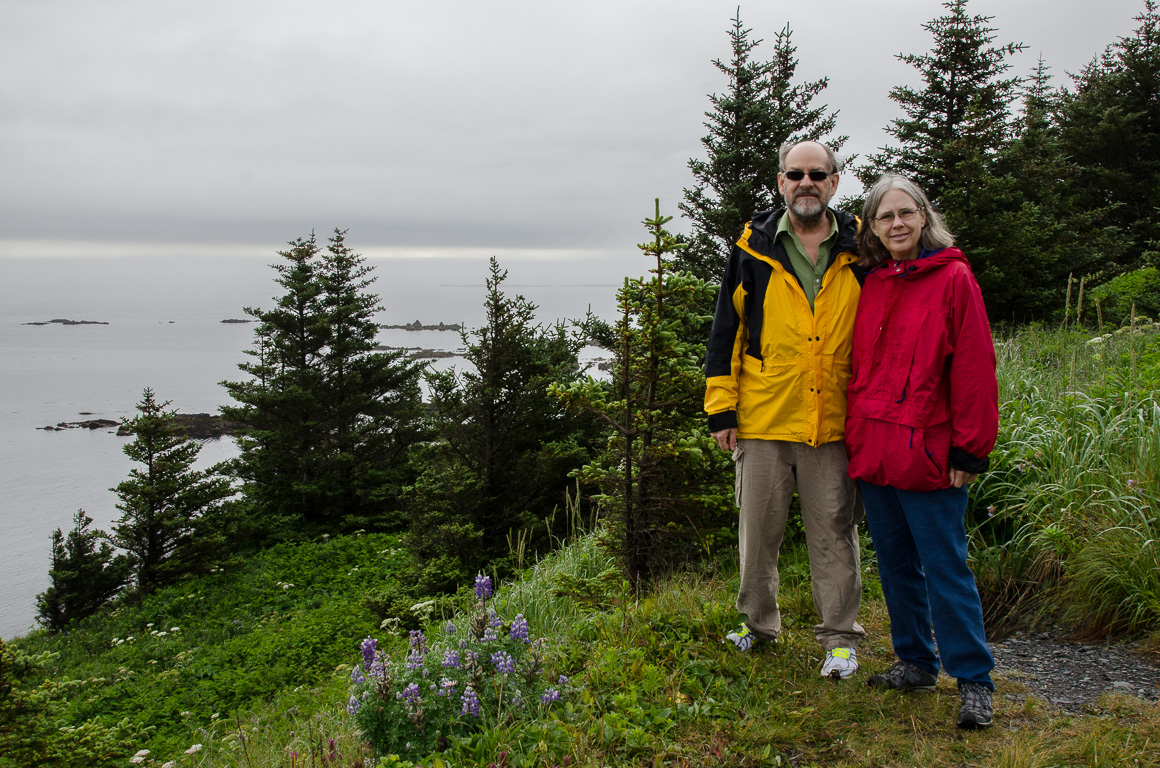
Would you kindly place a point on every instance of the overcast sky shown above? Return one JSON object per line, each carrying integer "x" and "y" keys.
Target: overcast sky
{"x": 422, "y": 126}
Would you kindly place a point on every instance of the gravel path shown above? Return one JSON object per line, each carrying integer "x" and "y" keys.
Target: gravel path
{"x": 1071, "y": 675}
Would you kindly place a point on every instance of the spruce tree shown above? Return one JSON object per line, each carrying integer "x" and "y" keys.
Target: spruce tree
{"x": 762, "y": 109}
{"x": 1031, "y": 206}
{"x": 328, "y": 416}
{"x": 166, "y": 505}
{"x": 85, "y": 574}
{"x": 958, "y": 119}
{"x": 505, "y": 447}
{"x": 1110, "y": 128}
{"x": 663, "y": 490}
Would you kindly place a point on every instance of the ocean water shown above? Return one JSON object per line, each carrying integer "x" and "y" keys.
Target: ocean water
{"x": 165, "y": 332}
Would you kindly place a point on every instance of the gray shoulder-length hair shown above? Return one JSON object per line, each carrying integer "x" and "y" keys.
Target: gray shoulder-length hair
{"x": 935, "y": 234}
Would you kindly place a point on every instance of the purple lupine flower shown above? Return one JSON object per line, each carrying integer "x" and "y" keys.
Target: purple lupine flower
{"x": 368, "y": 650}
{"x": 451, "y": 659}
{"x": 418, "y": 641}
{"x": 470, "y": 702}
{"x": 449, "y": 628}
{"x": 482, "y": 587}
{"x": 410, "y": 694}
{"x": 517, "y": 699}
{"x": 519, "y": 629}
{"x": 447, "y": 687}
{"x": 353, "y": 705}
{"x": 494, "y": 619}
{"x": 415, "y": 660}
{"x": 489, "y": 635}
{"x": 378, "y": 670}
{"x": 504, "y": 663}
{"x": 462, "y": 644}
{"x": 550, "y": 696}
{"x": 562, "y": 680}
{"x": 356, "y": 675}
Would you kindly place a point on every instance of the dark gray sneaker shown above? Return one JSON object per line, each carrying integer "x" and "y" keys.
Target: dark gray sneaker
{"x": 904, "y": 676}
{"x": 976, "y": 711}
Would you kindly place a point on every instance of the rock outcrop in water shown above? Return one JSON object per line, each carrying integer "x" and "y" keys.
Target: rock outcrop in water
{"x": 198, "y": 426}
{"x": 417, "y": 326}
{"x": 62, "y": 321}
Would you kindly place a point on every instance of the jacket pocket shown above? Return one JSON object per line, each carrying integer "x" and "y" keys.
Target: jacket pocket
{"x": 904, "y": 457}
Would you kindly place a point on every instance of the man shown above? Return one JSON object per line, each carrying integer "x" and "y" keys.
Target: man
{"x": 776, "y": 367}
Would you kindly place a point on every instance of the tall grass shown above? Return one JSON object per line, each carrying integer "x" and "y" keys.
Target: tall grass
{"x": 1068, "y": 511}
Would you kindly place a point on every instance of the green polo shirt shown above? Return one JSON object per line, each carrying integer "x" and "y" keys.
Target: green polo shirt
{"x": 809, "y": 273}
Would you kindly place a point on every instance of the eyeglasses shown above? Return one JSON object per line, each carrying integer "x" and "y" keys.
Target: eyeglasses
{"x": 906, "y": 214}
{"x": 814, "y": 175}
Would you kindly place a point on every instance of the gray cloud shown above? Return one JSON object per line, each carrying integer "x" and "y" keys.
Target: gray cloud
{"x": 446, "y": 123}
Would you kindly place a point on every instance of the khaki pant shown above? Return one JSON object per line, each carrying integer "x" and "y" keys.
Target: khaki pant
{"x": 767, "y": 471}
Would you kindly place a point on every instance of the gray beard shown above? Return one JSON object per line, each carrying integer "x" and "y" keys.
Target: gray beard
{"x": 808, "y": 216}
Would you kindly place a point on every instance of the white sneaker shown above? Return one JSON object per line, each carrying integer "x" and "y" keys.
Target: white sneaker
{"x": 840, "y": 663}
{"x": 744, "y": 639}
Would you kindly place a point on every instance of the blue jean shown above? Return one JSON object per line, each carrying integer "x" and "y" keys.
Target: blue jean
{"x": 921, "y": 543}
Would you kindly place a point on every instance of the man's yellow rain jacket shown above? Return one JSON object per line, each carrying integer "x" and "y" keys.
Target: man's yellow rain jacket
{"x": 774, "y": 369}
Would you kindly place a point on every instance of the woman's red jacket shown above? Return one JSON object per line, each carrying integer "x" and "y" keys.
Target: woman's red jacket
{"x": 922, "y": 395}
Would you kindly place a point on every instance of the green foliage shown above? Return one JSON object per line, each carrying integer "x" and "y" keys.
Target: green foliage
{"x": 663, "y": 491}
{"x": 84, "y": 575}
{"x": 168, "y": 508}
{"x": 1108, "y": 127}
{"x": 31, "y": 731}
{"x": 1132, "y": 292}
{"x": 1075, "y": 477}
{"x": 193, "y": 653}
{"x": 328, "y": 417}
{"x": 959, "y": 115}
{"x": 762, "y": 109}
{"x": 475, "y": 672}
{"x": 505, "y": 445}
{"x": 1031, "y": 205}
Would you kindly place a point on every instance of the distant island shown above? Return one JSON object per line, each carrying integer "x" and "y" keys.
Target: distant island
{"x": 62, "y": 321}
{"x": 417, "y": 326}
{"x": 234, "y": 320}
{"x": 417, "y": 353}
{"x": 199, "y": 426}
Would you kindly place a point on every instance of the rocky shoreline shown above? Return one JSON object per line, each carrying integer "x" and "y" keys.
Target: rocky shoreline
{"x": 418, "y": 353}
{"x": 417, "y": 326}
{"x": 197, "y": 426}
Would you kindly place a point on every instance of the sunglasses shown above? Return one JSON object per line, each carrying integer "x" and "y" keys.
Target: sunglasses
{"x": 814, "y": 175}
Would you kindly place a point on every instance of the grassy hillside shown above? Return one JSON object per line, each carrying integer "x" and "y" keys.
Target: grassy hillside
{"x": 253, "y": 666}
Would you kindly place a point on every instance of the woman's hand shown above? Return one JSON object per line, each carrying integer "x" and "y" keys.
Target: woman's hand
{"x": 959, "y": 478}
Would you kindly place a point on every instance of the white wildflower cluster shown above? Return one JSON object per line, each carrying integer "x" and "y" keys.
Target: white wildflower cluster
{"x": 284, "y": 585}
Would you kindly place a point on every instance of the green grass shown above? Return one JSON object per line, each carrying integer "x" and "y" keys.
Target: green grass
{"x": 660, "y": 688}
{"x": 1071, "y": 499}
{"x": 201, "y": 651}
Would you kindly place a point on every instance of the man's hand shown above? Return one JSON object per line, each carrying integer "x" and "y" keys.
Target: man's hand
{"x": 959, "y": 478}
{"x": 726, "y": 438}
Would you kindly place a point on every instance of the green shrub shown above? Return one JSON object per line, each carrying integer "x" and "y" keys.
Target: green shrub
{"x": 1116, "y": 297}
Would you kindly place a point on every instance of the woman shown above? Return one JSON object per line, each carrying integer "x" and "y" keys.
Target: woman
{"x": 922, "y": 418}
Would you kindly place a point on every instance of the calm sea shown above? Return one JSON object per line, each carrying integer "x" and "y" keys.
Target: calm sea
{"x": 165, "y": 332}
